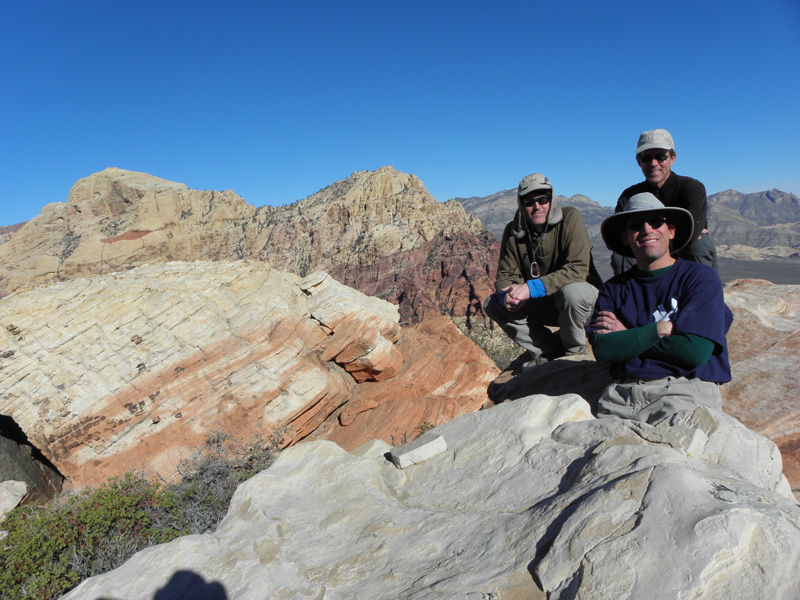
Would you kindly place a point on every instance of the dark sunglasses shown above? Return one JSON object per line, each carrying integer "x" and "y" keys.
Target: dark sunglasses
{"x": 648, "y": 158}
{"x": 529, "y": 200}
{"x": 636, "y": 223}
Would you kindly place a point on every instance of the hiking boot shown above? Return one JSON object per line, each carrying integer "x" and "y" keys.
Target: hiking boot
{"x": 557, "y": 352}
{"x": 532, "y": 364}
{"x": 519, "y": 361}
{"x": 579, "y": 351}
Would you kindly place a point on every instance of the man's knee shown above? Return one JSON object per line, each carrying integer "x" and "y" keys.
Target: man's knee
{"x": 490, "y": 306}
{"x": 653, "y": 401}
{"x": 615, "y": 401}
{"x": 577, "y": 297}
{"x": 487, "y": 304}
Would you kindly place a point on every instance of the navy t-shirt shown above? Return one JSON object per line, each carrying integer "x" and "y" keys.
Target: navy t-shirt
{"x": 688, "y": 294}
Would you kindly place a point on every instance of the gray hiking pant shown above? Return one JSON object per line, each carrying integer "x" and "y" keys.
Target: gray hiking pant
{"x": 569, "y": 309}
{"x": 652, "y": 400}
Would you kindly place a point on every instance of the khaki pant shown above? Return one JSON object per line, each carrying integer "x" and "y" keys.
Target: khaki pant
{"x": 569, "y": 309}
{"x": 652, "y": 400}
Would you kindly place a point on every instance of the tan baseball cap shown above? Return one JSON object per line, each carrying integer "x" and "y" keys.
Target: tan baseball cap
{"x": 532, "y": 183}
{"x": 655, "y": 138}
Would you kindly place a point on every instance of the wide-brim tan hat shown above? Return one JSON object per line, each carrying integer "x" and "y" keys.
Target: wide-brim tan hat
{"x": 612, "y": 228}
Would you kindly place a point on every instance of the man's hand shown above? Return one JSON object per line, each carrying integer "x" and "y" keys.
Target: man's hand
{"x": 606, "y": 322}
{"x": 665, "y": 328}
{"x": 516, "y": 296}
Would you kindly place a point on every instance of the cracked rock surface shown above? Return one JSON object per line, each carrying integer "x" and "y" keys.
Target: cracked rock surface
{"x": 132, "y": 370}
{"x": 531, "y": 497}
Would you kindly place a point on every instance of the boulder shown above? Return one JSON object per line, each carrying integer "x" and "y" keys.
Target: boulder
{"x": 11, "y": 495}
{"x": 764, "y": 345}
{"x": 529, "y": 499}
{"x": 21, "y": 462}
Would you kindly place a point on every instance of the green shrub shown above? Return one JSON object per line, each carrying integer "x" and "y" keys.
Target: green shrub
{"x": 50, "y": 549}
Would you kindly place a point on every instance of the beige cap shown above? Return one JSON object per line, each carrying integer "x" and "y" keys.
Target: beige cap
{"x": 655, "y": 138}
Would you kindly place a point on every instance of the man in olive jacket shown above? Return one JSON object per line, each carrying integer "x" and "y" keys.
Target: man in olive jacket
{"x": 545, "y": 276}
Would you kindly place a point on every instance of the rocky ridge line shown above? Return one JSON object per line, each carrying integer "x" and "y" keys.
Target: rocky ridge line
{"x": 380, "y": 232}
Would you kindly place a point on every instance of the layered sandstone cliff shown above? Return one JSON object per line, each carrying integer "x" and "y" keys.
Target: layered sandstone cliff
{"x": 129, "y": 370}
{"x": 380, "y": 232}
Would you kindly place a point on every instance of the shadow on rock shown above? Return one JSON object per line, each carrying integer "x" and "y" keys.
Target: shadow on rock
{"x": 186, "y": 585}
{"x": 586, "y": 378}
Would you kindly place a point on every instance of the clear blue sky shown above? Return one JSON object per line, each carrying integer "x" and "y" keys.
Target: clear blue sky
{"x": 276, "y": 100}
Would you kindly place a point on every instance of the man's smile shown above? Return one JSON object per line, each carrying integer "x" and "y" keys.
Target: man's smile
{"x": 650, "y": 239}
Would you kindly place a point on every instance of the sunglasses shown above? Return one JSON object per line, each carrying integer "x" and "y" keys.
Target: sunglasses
{"x": 529, "y": 200}
{"x": 636, "y": 223}
{"x": 648, "y": 158}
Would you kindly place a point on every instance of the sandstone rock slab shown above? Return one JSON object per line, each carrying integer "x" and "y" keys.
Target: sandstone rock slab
{"x": 443, "y": 376}
{"x": 132, "y": 370}
{"x": 417, "y": 451}
{"x": 764, "y": 345}
{"x": 531, "y": 497}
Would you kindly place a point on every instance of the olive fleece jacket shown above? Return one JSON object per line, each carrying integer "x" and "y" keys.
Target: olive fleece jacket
{"x": 563, "y": 251}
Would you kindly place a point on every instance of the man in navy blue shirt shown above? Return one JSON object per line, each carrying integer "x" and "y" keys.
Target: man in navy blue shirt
{"x": 662, "y": 324}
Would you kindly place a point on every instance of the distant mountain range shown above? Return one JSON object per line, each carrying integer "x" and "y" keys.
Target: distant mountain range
{"x": 769, "y": 219}
{"x": 762, "y": 221}
{"x": 380, "y": 232}
{"x": 497, "y": 210}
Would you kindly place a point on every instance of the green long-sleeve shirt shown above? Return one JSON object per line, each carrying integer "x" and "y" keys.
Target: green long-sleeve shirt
{"x": 684, "y": 349}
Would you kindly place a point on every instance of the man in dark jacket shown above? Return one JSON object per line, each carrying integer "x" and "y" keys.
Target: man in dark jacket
{"x": 655, "y": 155}
{"x": 545, "y": 276}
